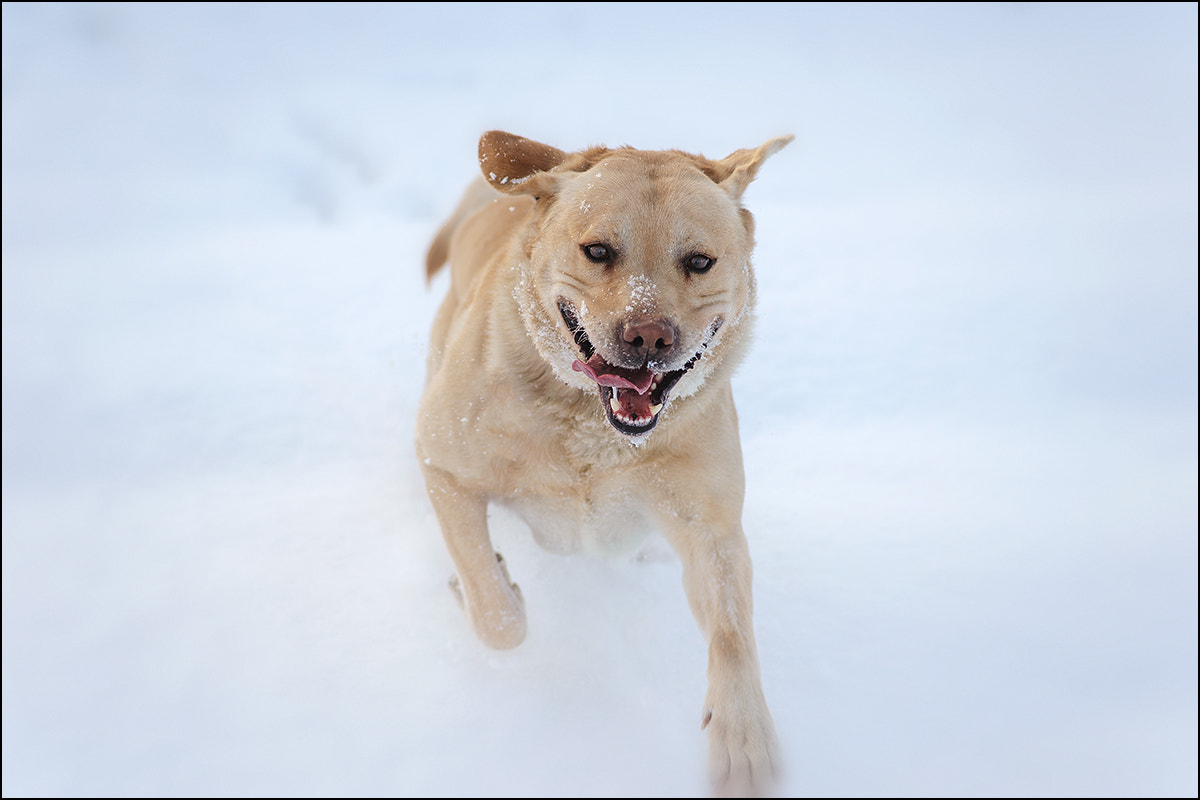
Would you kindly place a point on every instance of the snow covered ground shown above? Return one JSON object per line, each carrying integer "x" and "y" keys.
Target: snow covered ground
{"x": 969, "y": 419}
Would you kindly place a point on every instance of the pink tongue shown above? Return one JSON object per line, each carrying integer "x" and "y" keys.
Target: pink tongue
{"x": 605, "y": 374}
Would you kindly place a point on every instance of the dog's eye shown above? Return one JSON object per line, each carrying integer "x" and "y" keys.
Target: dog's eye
{"x": 599, "y": 253}
{"x": 699, "y": 263}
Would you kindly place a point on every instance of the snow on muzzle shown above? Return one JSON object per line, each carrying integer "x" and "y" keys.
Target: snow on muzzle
{"x": 633, "y": 398}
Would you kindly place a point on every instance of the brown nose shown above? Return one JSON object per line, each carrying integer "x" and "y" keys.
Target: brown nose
{"x": 649, "y": 337}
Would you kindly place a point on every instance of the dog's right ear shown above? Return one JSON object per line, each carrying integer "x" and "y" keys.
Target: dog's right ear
{"x": 516, "y": 165}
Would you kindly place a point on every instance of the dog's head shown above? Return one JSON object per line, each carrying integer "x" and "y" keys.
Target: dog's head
{"x": 635, "y": 271}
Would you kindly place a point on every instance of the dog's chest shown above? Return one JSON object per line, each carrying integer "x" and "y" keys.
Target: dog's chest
{"x": 581, "y": 493}
{"x": 589, "y": 518}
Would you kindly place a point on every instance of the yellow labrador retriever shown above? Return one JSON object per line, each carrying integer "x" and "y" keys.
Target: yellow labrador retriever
{"x": 579, "y": 373}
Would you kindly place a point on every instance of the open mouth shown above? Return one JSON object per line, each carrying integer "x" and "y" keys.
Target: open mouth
{"x": 633, "y": 399}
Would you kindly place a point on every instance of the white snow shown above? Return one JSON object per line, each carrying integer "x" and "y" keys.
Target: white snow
{"x": 969, "y": 418}
{"x": 643, "y": 294}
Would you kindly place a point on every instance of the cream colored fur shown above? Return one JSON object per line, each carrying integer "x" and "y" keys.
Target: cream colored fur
{"x": 509, "y": 417}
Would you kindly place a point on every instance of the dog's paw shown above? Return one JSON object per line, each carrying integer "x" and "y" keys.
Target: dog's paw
{"x": 500, "y": 624}
{"x": 743, "y": 752}
{"x": 495, "y": 611}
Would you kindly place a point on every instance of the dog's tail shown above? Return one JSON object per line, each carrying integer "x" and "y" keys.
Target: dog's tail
{"x": 439, "y": 249}
{"x": 477, "y": 194}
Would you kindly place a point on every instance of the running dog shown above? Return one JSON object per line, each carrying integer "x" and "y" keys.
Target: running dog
{"x": 579, "y": 373}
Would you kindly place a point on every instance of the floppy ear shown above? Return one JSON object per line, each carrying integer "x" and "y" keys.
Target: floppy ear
{"x": 736, "y": 170}
{"x": 513, "y": 164}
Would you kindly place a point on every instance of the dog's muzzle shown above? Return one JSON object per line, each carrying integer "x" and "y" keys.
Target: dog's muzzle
{"x": 633, "y": 398}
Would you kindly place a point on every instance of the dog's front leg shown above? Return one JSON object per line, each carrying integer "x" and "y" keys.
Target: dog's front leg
{"x": 492, "y": 602}
{"x": 742, "y": 748}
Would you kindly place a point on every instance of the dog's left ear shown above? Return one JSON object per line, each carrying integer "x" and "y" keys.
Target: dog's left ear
{"x": 735, "y": 172}
{"x": 514, "y": 165}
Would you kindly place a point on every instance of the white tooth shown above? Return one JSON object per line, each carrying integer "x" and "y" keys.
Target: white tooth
{"x": 616, "y": 406}
{"x": 654, "y": 409}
